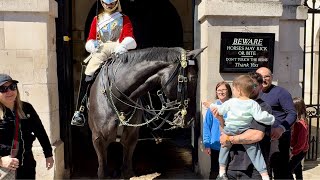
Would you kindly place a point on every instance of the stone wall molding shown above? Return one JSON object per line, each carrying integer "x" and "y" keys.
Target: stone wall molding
{"x": 49, "y": 6}
{"x": 251, "y": 8}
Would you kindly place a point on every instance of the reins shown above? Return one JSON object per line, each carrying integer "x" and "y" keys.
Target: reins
{"x": 180, "y": 104}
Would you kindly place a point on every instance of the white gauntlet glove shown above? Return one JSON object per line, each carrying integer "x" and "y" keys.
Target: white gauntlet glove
{"x": 120, "y": 49}
{"x": 126, "y": 44}
{"x": 92, "y": 46}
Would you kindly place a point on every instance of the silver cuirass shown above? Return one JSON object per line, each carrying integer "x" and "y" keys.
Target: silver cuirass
{"x": 109, "y": 26}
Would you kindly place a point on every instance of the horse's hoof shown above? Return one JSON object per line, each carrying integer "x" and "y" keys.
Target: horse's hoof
{"x": 127, "y": 175}
{"x": 116, "y": 174}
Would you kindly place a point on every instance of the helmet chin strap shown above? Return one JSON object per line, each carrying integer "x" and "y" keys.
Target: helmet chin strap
{"x": 109, "y": 11}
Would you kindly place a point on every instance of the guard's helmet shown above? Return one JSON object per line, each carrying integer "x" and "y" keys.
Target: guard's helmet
{"x": 108, "y": 9}
{"x": 109, "y": 1}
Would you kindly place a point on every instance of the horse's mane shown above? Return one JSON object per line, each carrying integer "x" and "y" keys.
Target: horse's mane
{"x": 152, "y": 54}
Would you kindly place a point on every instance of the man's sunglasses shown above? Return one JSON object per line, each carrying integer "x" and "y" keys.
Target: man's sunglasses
{"x": 12, "y": 87}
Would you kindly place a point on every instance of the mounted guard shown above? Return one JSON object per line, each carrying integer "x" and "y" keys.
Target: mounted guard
{"x": 110, "y": 32}
{"x": 116, "y": 110}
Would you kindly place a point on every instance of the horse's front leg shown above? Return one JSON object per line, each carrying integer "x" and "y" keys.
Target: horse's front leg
{"x": 101, "y": 151}
{"x": 128, "y": 149}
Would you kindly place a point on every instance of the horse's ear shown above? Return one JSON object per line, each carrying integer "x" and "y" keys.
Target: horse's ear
{"x": 195, "y": 53}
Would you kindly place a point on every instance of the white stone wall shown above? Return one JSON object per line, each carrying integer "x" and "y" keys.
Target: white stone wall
{"x": 288, "y": 71}
{"x": 283, "y": 18}
{"x": 28, "y": 54}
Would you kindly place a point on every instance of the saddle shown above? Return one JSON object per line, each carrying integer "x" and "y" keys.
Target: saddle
{"x": 93, "y": 77}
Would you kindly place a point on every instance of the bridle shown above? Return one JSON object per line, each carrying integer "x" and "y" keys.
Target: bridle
{"x": 180, "y": 104}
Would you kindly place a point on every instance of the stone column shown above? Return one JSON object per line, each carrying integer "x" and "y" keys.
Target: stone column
{"x": 28, "y": 54}
{"x": 216, "y": 16}
{"x": 289, "y": 69}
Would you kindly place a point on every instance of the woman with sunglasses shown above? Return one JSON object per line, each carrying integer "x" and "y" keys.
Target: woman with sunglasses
{"x": 20, "y": 125}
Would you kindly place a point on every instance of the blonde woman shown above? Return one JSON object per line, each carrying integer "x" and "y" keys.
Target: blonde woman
{"x": 20, "y": 125}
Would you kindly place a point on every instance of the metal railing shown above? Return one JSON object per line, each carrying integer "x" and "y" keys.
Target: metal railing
{"x": 311, "y": 73}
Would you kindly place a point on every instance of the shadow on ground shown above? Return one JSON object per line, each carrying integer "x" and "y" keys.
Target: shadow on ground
{"x": 171, "y": 160}
{"x": 308, "y": 164}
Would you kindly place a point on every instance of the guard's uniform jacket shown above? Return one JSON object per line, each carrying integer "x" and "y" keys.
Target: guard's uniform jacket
{"x": 114, "y": 33}
{"x": 30, "y": 129}
{"x": 113, "y": 27}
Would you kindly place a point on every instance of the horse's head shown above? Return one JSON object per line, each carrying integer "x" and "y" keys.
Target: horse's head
{"x": 179, "y": 85}
{"x": 172, "y": 70}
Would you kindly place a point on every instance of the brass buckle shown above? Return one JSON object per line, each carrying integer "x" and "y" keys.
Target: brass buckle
{"x": 122, "y": 117}
{"x": 185, "y": 79}
{"x": 81, "y": 109}
{"x": 186, "y": 102}
{"x": 180, "y": 78}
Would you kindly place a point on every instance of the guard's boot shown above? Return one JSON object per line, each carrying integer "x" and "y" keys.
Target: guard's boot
{"x": 78, "y": 118}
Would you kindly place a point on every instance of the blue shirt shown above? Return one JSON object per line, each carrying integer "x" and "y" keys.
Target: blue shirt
{"x": 211, "y": 130}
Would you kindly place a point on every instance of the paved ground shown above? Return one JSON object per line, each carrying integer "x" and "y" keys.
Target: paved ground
{"x": 311, "y": 170}
{"x": 160, "y": 161}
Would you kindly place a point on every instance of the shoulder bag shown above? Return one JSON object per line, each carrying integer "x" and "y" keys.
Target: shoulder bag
{"x": 7, "y": 174}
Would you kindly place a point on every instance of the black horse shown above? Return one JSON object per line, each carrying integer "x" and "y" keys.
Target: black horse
{"x": 115, "y": 113}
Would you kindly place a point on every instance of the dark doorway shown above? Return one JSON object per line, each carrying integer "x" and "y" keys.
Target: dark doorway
{"x": 156, "y": 23}
{"x": 64, "y": 73}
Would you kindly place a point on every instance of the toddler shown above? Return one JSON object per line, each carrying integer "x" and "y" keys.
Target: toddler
{"x": 241, "y": 110}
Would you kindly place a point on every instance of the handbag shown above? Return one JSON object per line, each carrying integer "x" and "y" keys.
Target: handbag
{"x": 8, "y": 174}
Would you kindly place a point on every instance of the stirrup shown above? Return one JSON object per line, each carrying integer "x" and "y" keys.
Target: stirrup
{"x": 78, "y": 119}
{"x": 89, "y": 78}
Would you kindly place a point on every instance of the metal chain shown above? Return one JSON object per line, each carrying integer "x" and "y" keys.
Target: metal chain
{"x": 156, "y": 117}
{"x": 116, "y": 110}
{"x": 141, "y": 107}
{"x": 142, "y": 124}
{"x": 152, "y": 112}
{"x": 126, "y": 123}
{"x": 137, "y": 106}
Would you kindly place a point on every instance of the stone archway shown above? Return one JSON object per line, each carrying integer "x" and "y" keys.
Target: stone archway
{"x": 156, "y": 23}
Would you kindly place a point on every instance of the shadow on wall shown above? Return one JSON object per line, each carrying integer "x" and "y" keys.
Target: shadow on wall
{"x": 156, "y": 23}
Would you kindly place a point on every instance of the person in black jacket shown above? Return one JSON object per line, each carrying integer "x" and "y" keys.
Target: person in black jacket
{"x": 20, "y": 125}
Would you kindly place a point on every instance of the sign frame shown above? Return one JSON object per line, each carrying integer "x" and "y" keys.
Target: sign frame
{"x": 242, "y": 52}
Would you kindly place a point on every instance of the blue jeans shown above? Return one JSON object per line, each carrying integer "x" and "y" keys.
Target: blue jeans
{"x": 247, "y": 174}
{"x": 253, "y": 151}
